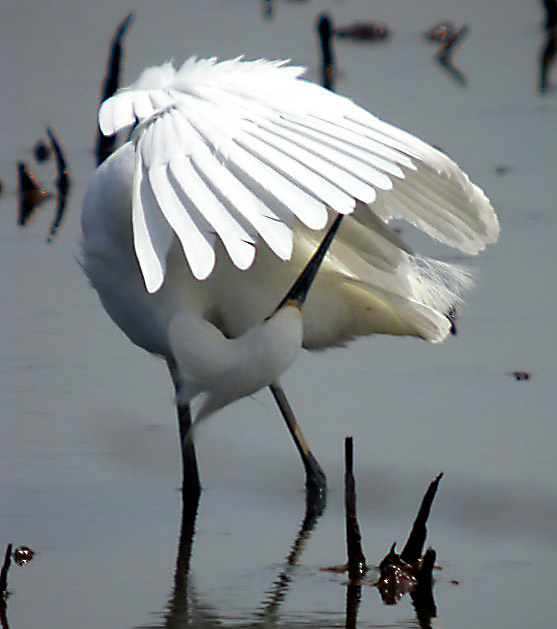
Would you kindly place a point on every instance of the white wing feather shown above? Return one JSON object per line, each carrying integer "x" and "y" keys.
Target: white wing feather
{"x": 151, "y": 233}
{"x": 236, "y": 149}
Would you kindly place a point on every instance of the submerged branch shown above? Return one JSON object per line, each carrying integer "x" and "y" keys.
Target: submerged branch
{"x": 357, "y": 566}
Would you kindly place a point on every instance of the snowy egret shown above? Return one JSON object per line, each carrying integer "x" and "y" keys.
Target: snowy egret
{"x": 196, "y": 227}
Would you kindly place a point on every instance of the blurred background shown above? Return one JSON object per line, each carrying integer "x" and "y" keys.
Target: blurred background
{"x": 89, "y": 460}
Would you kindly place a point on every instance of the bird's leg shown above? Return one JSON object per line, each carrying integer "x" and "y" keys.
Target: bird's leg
{"x": 191, "y": 487}
{"x": 316, "y": 481}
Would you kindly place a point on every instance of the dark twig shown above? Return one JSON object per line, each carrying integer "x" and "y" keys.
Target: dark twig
{"x": 267, "y": 9}
{"x": 547, "y": 57}
{"x": 105, "y": 145}
{"x": 451, "y": 41}
{"x": 4, "y": 587}
{"x": 63, "y": 179}
{"x": 63, "y": 184}
{"x": 444, "y": 56}
{"x": 4, "y": 572}
{"x": 325, "y": 30}
{"x": 551, "y": 13}
{"x": 357, "y": 566}
{"x": 412, "y": 551}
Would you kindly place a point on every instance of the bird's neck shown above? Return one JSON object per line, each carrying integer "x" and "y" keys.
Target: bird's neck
{"x": 218, "y": 370}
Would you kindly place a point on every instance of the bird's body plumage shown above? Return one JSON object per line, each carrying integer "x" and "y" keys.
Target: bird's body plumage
{"x": 234, "y": 169}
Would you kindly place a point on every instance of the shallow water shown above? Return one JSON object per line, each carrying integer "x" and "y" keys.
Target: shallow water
{"x": 89, "y": 463}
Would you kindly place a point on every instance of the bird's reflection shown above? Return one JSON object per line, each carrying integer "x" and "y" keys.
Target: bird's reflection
{"x": 186, "y": 609}
{"x": 315, "y": 505}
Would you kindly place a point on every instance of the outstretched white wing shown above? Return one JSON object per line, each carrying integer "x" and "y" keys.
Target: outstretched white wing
{"x": 236, "y": 149}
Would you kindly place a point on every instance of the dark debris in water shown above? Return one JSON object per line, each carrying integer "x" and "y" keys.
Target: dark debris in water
{"x": 442, "y": 32}
{"x": 363, "y": 31}
{"x": 32, "y": 193}
{"x": 521, "y": 375}
{"x": 41, "y": 151}
{"x": 411, "y": 572}
{"x": 23, "y": 555}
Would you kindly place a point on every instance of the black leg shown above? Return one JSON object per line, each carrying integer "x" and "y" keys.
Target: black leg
{"x": 316, "y": 481}
{"x": 191, "y": 487}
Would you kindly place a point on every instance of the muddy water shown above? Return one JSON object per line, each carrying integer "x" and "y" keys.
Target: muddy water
{"x": 88, "y": 452}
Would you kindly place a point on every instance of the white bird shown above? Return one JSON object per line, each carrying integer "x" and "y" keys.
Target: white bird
{"x": 196, "y": 227}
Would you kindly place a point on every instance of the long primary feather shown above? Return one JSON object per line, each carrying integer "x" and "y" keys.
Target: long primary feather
{"x": 237, "y": 149}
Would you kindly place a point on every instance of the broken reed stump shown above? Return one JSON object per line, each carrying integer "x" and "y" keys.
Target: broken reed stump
{"x": 450, "y": 43}
{"x": 4, "y": 572}
{"x": 106, "y": 145}
{"x": 357, "y": 566}
{"x": 409, "y": 572}
{"x": 412, "y": 551}
{"x": 4, "y": 587}
{"x": 325, "y": 31}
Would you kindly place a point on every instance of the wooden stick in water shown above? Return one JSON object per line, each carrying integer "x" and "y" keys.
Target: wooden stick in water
{"x": 357, "y": 566}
